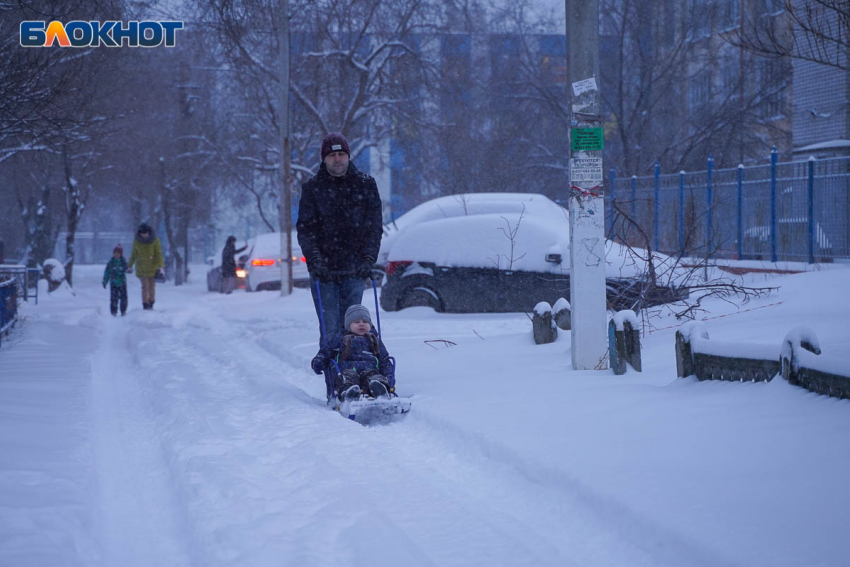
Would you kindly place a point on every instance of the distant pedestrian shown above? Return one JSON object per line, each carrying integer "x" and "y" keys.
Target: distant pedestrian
{"x": 228, "y": 263}
{"x": 339, "y": 230}
{"x": 147, "y": 256}
{"x": 115, "y": 275}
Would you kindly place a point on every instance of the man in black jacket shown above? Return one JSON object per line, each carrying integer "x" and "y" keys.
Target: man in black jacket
{"x": 339, "y": 230}
{"x": 228, "y": 263}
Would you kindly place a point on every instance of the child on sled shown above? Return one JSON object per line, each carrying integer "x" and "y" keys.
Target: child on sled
{"x": 361, "y": 357}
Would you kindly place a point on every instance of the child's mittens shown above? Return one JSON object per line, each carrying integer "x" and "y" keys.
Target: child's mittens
{"x": 104, "y": 285}
{"x": 318, "y": 363}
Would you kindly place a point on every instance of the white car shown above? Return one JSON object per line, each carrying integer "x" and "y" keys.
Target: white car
{"x": 262, "y": 269}
{"x": 501, "y": 252}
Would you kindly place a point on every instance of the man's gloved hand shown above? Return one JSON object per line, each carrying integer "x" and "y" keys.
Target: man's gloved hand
{"x": 130, "y": 270}
{"x": 364, "y": 271}
{"x": 318, "y": 363}
{"x": 320, "y": 271}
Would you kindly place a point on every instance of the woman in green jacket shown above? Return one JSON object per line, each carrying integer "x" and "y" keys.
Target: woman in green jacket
{"x": 147, "y": 256}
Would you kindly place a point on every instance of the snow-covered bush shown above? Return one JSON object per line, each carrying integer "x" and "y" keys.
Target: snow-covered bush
{"x": 54, "y": 273}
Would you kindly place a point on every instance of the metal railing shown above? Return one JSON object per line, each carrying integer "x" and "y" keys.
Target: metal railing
{"x": 8, "y": 305}
{"x": 793, "y": 211}
{"x": 27, "y": 279}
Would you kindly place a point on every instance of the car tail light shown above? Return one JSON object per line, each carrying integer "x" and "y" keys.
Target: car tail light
{"x": 240, "y": 273}
{"x": 393, "y": 266}
{"x": 301, "y": 259}
{"x": 304, "y": 259}
{"x": 261, "y": 262}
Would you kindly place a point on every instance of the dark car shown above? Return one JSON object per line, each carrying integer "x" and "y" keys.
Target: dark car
{"x": 489, "y": 290}
{"x": 502, "y": 262}
{"x": 215, "y": 282}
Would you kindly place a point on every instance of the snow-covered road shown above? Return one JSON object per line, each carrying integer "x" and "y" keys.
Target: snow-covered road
{"x": 196, "y": 434}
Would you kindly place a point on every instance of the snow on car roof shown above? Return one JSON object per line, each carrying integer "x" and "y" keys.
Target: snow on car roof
{"x": 467, "y": 204}
{"x": 472, "y": 204}
{"x": 483, "y": 241}
{"x": 268, "y": 244}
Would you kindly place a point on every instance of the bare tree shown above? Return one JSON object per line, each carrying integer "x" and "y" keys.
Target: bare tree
{"x": 346, "y": 60}
{"x": 679, "y": 283}
{"x": 48, "y": 107}
{"x": 811, "y": 30}
{"x": 510, "y": 233}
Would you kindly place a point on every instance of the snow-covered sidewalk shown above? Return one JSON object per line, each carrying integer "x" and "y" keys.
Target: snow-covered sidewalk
{"x": 196, "y": 434}
{"x": 47, "y": 474}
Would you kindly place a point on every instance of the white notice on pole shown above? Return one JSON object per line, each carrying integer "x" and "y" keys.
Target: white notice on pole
{"x": 580, "y": 87}
{"x": 586, "y": 170}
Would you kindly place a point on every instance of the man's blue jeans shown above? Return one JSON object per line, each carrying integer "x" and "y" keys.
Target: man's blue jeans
{"x": 337, "y": 297}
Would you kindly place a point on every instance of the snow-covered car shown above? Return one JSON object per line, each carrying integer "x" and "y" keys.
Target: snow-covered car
{"x": 215, "y": 281}
{"x": 498, "y": 253}
{"x": 263, "y": 265}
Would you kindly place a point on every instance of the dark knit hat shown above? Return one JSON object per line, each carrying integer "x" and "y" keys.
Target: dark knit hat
{"x": 118, "y": 248}
{"x": 355, "y": 312}
{"x": 334, "y": 142}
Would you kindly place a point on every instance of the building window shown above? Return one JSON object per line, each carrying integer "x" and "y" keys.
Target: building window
{"x": 772, "y": 88}
{"x": 729, "y": 14}
{"x": 699, "y": 93}
{"x": 772, "y": 6}
{"x": 700, "y": 19}
{"x": 553, "y": 60}
{"x": 667, "y": 20}
{"x": 731, "y": 77}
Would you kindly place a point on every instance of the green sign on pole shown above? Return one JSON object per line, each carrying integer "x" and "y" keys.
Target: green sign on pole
{"x": 586, "y": 139}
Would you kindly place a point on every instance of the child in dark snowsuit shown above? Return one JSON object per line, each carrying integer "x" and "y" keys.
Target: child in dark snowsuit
{"x": 116, "y": 275}
{"x": 363, "y": 361}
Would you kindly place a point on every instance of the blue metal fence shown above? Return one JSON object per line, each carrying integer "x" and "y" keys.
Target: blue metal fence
{"x": 793, "y": 211}
{"x": 8, "y": 305}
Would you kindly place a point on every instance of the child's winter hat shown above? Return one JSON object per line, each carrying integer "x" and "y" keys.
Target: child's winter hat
{"x": 118, "y": 248}
{"x": 334, "y": 142}
{"x": 355, "y": 312}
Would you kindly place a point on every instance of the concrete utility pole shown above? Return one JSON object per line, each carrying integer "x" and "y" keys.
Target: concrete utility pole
{"x": 587, "y": 207}
{"x": 284, "y": 201}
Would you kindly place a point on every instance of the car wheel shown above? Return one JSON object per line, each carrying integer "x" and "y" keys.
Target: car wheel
{"x": 421, "y": 296}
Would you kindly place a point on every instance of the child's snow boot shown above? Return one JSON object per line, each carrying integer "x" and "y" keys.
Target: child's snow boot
{"x": 379, "y": 386}
{"x": 350, "y": 387}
